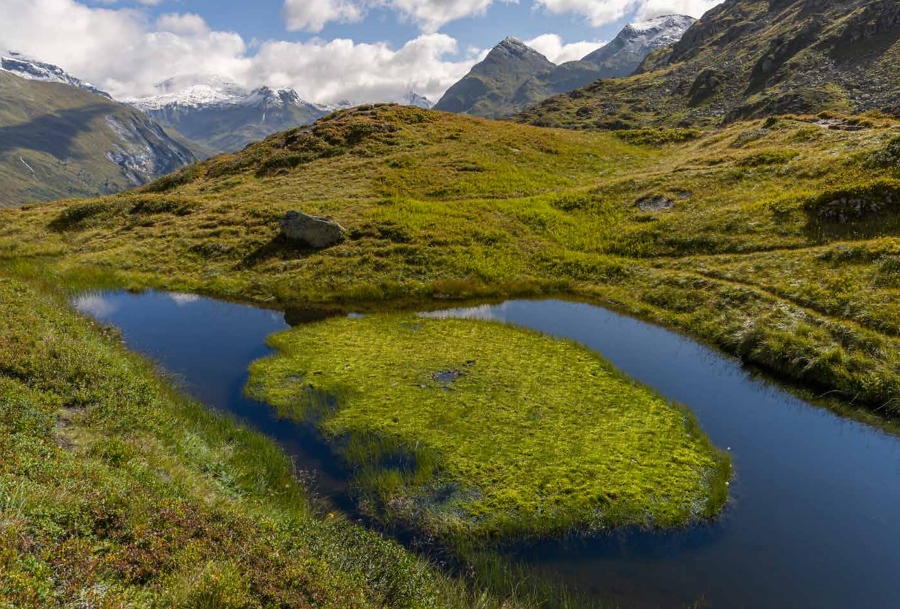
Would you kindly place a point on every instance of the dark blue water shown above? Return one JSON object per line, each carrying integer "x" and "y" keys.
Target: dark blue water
{"x": 207, "y": 346}
{"x": 814, "y": 521}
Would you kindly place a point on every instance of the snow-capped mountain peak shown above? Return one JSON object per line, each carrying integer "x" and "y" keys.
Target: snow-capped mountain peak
{"x": 660, "y": 28}
{"x": 210, "y": 91}
{"x": 32, "y": 69}
{"x": 638, "y": 39}
{"x": 411, "y": 98}
{"x": 193, "y": 91}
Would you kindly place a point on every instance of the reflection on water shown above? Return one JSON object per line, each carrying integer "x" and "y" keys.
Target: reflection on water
{"x": 814, "y": 519}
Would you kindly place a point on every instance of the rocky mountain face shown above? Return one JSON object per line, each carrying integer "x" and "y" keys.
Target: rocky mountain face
{"x": 58, "y": 140}
{"x": 222, "y": 116}
{"x": 514, "y": 77}
{"x": 751, "y": 58}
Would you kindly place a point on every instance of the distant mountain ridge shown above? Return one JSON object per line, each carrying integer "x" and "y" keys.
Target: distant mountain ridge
{"x": 514, "y": 76}
{"x": 747, "y": 59}
{"x": 61, "y": 140}
{"x": 32, "y": 69}
{"x": 414, "y": 99}
{"x": 223, "y": 116}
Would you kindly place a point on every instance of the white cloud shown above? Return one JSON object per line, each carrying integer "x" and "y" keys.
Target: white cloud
{"x": 125, "y": 54}
{"x": 554, "y": 49}
{"x": 429, "y": 15}
{"x": 341, "y": 69}
{"x": 601, "y": 12}
{"x": 187, "y": 24}
{"x": 312, "y": 15}
{"x": 694, "y": 8}
{"x": 598, "y": 12}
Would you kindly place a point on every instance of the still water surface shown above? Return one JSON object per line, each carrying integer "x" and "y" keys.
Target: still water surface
{"x": 814, "y": 521}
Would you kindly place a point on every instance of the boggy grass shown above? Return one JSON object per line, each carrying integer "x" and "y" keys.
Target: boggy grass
{"x": 116, "y": 491}
{"x": 437, "y": 206}
{"x": 472, "y": 429}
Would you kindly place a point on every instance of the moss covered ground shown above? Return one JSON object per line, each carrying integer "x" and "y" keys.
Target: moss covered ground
{"x": 472, "y": 428}
{"x": 735, "y": 236}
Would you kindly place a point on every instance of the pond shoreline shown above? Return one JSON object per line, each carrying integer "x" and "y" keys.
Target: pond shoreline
{"x": 804, "y": 441}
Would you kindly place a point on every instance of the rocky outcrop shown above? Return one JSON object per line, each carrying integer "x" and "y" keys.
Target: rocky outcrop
{"x": 311, "y": 231}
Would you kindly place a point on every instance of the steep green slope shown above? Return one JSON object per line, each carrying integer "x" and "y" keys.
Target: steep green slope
{"x": 747, "y": 59}
{"x": 776, "y": 240}
{"x": 60, "y": 141}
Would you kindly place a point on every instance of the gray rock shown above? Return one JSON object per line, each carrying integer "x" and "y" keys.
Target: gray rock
{"x": 311, "y": 231}
{"x": 654, "y": 204}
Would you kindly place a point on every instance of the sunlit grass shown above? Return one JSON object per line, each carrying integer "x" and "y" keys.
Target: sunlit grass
{"x": 470, "y": 428}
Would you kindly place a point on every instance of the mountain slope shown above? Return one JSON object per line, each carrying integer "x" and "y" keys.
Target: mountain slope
{"x": 776, "y": 240}
{"x": 222, "y": 116}
{"x": 58, "y": 140}
{"x": 622, "y": 56}
{"x": 514, "y": 76}
{"x": 752, "y": 58}
{"x": 492, "y": 86}
{"x": 32, "y": 69}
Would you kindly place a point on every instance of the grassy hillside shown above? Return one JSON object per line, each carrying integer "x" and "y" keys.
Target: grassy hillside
{"x": 775, "y": 240}
{"x": 60, "y": 141}
{"x": 747, "y": 59}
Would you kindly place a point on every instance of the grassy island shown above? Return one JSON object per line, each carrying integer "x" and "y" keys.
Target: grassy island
{"x": 476, "y": 428}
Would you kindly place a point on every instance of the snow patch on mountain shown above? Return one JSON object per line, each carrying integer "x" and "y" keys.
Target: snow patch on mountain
{"x": 32, "y": 69}
{"x": 658, "y": 32}
{"x": 414, "y": 99}
{"x": 210, "y": 91}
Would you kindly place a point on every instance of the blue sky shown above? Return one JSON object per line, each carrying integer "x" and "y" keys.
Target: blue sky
{"x": 328, "y": 50}
{"x": 263, "y": 20}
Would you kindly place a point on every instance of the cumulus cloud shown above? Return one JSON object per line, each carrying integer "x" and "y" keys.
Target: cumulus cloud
{"x": 694, "y": 8}
{"x": 312, "y": 15}
{"x": 341, "y": 69}
{"x": 126, "y": 54}
{"x": 432, "y": 14}
{"x": 553, "y": 48}
{"x": 601, "y": 12}
{"x": 429, "y": 15}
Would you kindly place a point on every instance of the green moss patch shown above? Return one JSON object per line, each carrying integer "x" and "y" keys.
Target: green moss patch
{"x": 468, "y": 427}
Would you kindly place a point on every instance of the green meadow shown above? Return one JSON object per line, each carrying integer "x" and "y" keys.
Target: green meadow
{"x": 774, "y": 239}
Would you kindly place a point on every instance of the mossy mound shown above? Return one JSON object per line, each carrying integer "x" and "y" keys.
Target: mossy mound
{"x": 464, "y": 427}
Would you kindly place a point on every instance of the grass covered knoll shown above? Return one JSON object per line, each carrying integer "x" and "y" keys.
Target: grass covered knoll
{"x": 117, "y": 492}
{"x": 469, "y": 428}
{"x": 747, "y": 237}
